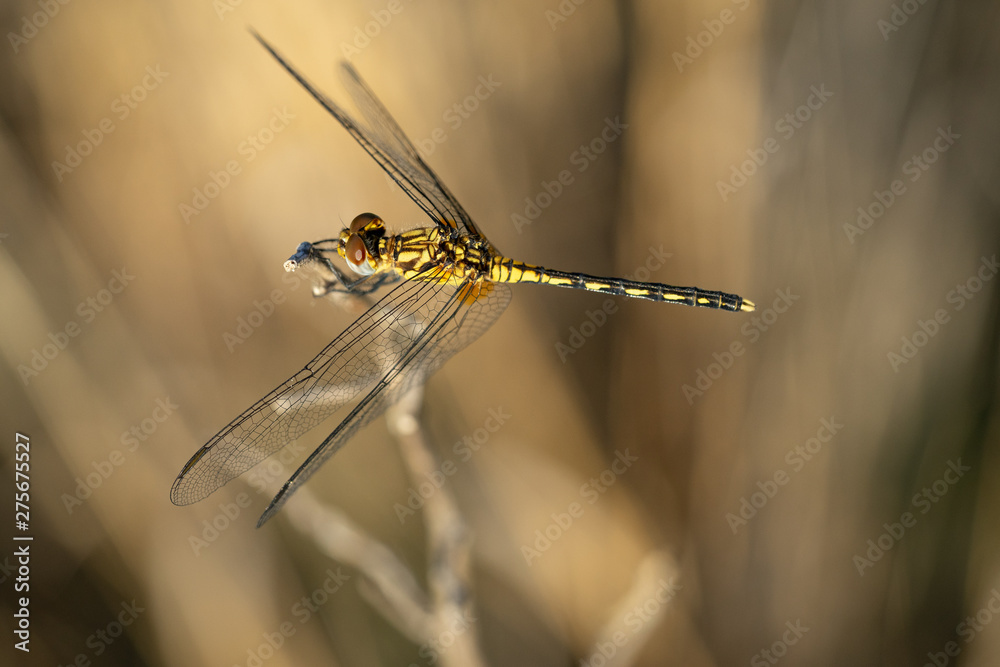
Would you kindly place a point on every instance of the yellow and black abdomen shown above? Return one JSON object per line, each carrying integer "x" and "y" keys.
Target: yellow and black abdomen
{"x": 511, "y": 271}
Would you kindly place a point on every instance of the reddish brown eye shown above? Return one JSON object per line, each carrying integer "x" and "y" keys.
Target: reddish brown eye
{"x": 355, "y": 251}
{"x": 362, "y": 221}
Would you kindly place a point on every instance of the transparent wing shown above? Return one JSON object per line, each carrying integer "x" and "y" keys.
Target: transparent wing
{"x": 468, "y": 312}
{"x": 384, "y": 132}
{"x": 365, "y": 352}
{"x": 383, "y": 139}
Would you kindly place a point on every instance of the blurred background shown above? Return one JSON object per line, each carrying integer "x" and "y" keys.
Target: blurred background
{"x": 810, "y": 484}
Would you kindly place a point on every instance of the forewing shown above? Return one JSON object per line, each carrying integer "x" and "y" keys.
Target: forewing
{"x": 382, "y": 138}
{"x": 383, "y": 131}
{"x": 464, "y": 314}
{"x": 361, "y": 355}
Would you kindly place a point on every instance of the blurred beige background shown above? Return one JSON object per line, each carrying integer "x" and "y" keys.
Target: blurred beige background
{"x": 796, "y": 480}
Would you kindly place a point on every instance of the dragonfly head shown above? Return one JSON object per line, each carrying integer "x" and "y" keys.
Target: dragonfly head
{"x": 358, "y": 244}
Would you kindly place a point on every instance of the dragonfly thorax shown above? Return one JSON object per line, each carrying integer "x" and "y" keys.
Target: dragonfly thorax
{"x": 437, "y": 254}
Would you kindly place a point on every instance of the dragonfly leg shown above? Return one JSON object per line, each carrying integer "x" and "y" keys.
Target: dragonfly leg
{"x": 360, "y": 287}
{"x": 333, "y": 280}
{"x": 341, "y": 284}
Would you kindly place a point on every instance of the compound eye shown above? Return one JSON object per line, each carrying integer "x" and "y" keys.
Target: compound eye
{"x": 357, "y": 256}
{"x": 355, "y": 251}
{"x": 362, "y": 221}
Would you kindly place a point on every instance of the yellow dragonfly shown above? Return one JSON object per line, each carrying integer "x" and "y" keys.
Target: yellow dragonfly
{"x": 453, "y": 285}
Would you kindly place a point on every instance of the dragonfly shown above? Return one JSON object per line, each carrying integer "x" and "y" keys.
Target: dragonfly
{"x": 453, "y": 285}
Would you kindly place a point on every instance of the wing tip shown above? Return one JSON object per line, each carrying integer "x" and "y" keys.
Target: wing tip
{"x": 271, "y": 509}
{"x": 258, "y": 37}
{"x": 176, "y": 497}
